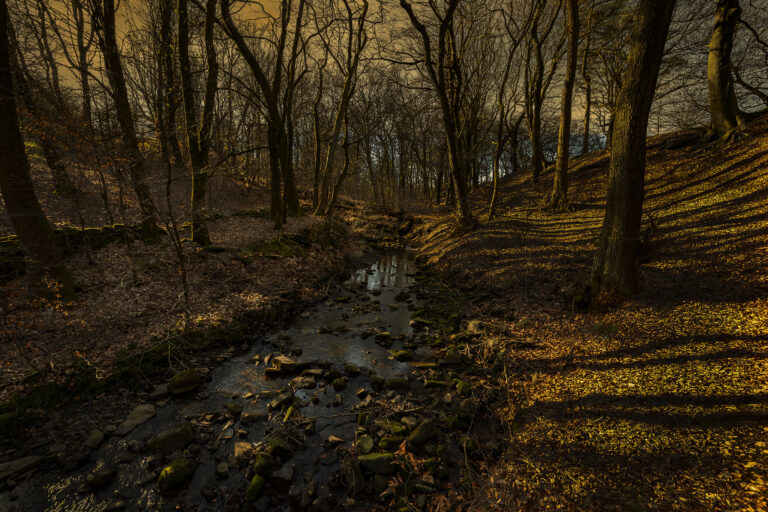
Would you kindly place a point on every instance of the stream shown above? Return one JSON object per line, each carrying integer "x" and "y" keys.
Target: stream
{"x": 359, "y": 326}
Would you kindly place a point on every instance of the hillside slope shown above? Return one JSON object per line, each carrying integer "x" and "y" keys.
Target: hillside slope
{"x": 662, "y": 402}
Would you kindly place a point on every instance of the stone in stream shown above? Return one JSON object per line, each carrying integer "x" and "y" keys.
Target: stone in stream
{"x": 352, "y": 369}
{"x": 234, "y": 409}
{"x": 172, "y": 439}
{"x": 282, "y": 400}
{"x": 279, "y": 446}
{"x": 248, "y": 417}
{"x": 264, "y": 464}
{"x": 254, "y": 488}
{"x": 422, "y": 434}
{"x": 175, "y": 474}
{"x": 395, "y": 428}
{"x": 304, "y": 382}
{"x": 378, "y": 463}
{"x": 402, "y": 355}
{"x": 94, "y": 439}
{"x": 337, "y": 400}
{"x": 365, "y": 444}
{"x": 101, "y": 475}
{"x": 315, "y": 373}
{"x": 222, "y": 469}
{"x": 184, "y": 382}
{"x": 14, "y": 468}
{"x": 140, "y": 414}
{"x": 390, "y": 442}
{"x": 339, "y": 384}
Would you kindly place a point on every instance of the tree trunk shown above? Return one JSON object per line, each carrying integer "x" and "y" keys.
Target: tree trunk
{"x": 559, "y": 199}
{"x": 198, "y": 130}
{"x": 585, "y": 75}
{"x": 104, "y": 18}
{"x": 615, "y": 266}
{"x": 18, "y": 192}
{"x": 724, "y": 108}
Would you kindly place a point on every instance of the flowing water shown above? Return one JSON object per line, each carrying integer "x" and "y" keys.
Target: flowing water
{"x": 328, "y": 335}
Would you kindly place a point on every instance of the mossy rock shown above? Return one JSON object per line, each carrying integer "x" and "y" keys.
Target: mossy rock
{"x": 365, "y": 444}
{"x": 390, "y": 442}
{"x": 403, "y": 355}
{"x": 422, "y": 434}
{"x": 395, "y": 428}
{"x": 463, "y": 387}
{"x": 184, "y": 382}
{"x": 254, "y": 487}
{"x": 234, "y": 409}
{"x": 279, "y": 446}
{"x": 264, "y": 464}
{"x": 175, "y": 474}
{"x": 378, "y": 463}
{"x": 175, "y": 438}
{"x": 352, "y": 369}
{"x": 339, "y": 384}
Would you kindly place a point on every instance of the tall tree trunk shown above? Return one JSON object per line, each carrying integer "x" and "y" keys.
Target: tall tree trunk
{"x": 18, "y": 192}
{"x": 198, "y": 130}
{"x": 104, "y": 18}
{"x": 586, "y": 76}
{"x": 724, "y": 108}
{"x": 615, "y": 265}
{"x": 559, "y": 199}
{"x": 82, "y": 60}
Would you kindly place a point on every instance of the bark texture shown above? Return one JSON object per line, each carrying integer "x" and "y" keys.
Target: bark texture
{"x": 615, "y": 265}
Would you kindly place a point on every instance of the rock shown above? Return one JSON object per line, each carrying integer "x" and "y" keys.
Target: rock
{"x": 361, "y": 393}
{"x": 383, "y": 336}
{"x": 284, "y": 364}
{"x": 222, "y": 470}
{"x": 402, "y": 355}
{"x": 339, "y": 384}
{"x": 264, "y": 464}
{"x": 377, "y": 381}
{"x": 254, "y": 488}
{"x": 352, "y": 369}
{"x": 315, "y": 373}
{"x": 343, "y": 299}
{"x": 393, "y": 427}
{"x": 94, "y": 439}
{"x": 282, "y": 400}
{"x": 409, "y": 421}
{"x": 365, "y": 444}
{"x": 337, "y": 400}
{"x": 279, "y": 446}
{"x": 234, "y": 409}
{"x": 160, "y": 392}
{"x": 101, "y": 475}
{"x": 435, "y": 384}
{"x": 282, "y": 479}
{"x": 243, "y": 451}
{"x": 304, "y": 382}
{"x": 393, "y": 307}
{"x": 248, "y": 417}
{"x": 397, "y": 384}
{"x": 184, "y": 382}
{"x": 172, "y": 439}
{"x": 14, "y": 468}
{"x": 391, "y": 442}
{"x": 136, "y": 417}
{"x": 422, "y": 434}
{"x": 334, "y": 440}
{"x": 175, "y": 474}
{"x": 378, "y": 463}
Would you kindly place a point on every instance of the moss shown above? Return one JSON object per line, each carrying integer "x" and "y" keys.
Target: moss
{"x": 175, "y": 474}
{"x": 254, "y": 487}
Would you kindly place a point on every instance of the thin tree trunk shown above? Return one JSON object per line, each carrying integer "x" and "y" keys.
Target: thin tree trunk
{"x": 18, "y": 192}
{"x": 104, "y": 17}
{"x": 615, "y": 266}
{"x": 559, "y": 199}
{"x": 585, "y": 75}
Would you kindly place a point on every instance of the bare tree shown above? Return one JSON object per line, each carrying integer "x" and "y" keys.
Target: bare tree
{"x": 724, "y": 108}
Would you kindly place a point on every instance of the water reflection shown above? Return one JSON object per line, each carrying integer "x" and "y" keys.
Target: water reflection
{"x": 393, "y": 271}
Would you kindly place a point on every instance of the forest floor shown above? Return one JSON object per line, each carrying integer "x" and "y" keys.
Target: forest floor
{"x": 661, "y": 402}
